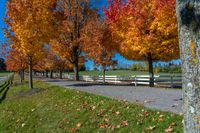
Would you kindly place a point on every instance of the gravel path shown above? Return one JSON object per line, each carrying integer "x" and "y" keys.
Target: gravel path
{"x": 155, "y": 98}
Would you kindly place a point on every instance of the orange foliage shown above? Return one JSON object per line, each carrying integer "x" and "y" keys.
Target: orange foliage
{"x": 143, "y": 28}
{"x": 97, "y": 42}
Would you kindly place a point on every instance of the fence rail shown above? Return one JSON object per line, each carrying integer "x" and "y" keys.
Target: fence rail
{"x": 162, "y": 80}
{"x": 173, "y": 81}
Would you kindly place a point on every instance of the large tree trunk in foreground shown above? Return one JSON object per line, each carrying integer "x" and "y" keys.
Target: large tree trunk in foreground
{"x": 188, "y": 23}
{"x": 30, "y": 59}
{"x": 151, "y": 73}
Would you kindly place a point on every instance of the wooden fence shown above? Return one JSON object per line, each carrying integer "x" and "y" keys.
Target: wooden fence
{"x": 162, "y": 80}
{"x": 167, "y": 80}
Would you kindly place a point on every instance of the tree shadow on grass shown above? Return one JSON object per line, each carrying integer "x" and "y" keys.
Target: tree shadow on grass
{"x": 97, "y": 84}
{"x": 29, "y": 92}
{"x": 4, "y": 92}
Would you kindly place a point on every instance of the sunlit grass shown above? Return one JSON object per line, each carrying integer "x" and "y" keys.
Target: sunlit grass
{"x": 53, "y": 109}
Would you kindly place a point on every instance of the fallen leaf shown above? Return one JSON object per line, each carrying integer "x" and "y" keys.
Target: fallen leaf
{"x": 173, "y": 124}
{"x": 160, "y": 119}
{"x": 106, "y": 120}
{"x": 93, "y": 107}
{"x": 78, "y": 125}
{"x": 23, "y": 124}
{"x": 117, "y": 112}
{"x": 150, "y": 128}
{"x": 118, "y": 126}
{"x": 103, "y": 126}
{"x": 146, "y": 114}
{"x": 18, "y": 120}
{"x": 125, "y": 123}
{"x": 169, "y": 129}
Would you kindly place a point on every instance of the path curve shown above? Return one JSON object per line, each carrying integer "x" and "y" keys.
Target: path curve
{"x": 154, "y": 98}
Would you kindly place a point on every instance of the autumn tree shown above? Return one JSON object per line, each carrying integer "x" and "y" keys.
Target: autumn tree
{"x": 51, "y": 62}
{"x": 75, "y": 14}
{"x": 17, "y": 62}
{"x": 97, "y": 39}
{"x": 189, "y": 42}
{"x": 144, "y": 30}
{"x": 32, "y": 23}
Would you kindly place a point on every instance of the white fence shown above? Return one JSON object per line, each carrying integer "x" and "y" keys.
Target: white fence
{"x": 165, "y": 80}
{"x": 173, "y": 80}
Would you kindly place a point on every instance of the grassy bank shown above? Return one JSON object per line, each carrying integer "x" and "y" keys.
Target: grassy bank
{"x": 52, "y": 109}
{"x": 3, "y": 73}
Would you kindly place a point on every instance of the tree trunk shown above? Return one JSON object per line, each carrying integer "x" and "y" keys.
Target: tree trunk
{"x": 23, "y": 74}
{"x": 30, "y": 72}
{"x": 35, "y": 73}
{"x": 47, "y": 73}
{"x": 51, "y": 74}
{"x": 61, "y": 74}
{"x": 104, "y": 74}
{"x": 151, "y": 73}
{"x": 189, "y": 42}
{"x": 76, "y": 71}
{"x": 20, "y": 76}
{"x": 68, "y": 71}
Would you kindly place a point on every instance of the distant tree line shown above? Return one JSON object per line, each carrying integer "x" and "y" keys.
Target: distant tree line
{"x": 2, "y": 64}
{"x": 158, "y": 68}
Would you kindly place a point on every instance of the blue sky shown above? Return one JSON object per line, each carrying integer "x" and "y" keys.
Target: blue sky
{"x": 2, "y": 14}
{"x": 99, "y": 4}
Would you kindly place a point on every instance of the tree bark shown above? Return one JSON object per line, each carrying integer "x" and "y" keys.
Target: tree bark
{"x": 20, "y": 76}
{"x": 43, "y": 73}
{"x": 104, "y": 75}
{"x": 47, "y": 73}
{"x": 76, "y": 71}
{"x": 61, "y": 74}
{"x": 188, "y": 27}
{"x": 30, "y": 58}
{"x": 151, "y": 73}
{"x": 51, "y": 74}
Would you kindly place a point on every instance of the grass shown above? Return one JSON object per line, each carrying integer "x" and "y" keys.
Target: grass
{"x": 55, "y": 110}
{"x": 3, "y": 73}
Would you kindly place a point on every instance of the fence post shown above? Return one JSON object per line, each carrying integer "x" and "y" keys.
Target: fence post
{"x": 172, "y": 82}
{"x": 135, "y": 80}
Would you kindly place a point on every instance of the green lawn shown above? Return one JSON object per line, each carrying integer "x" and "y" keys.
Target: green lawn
{"x": 55, "y": 110}
{"x": 3, "y": 73}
